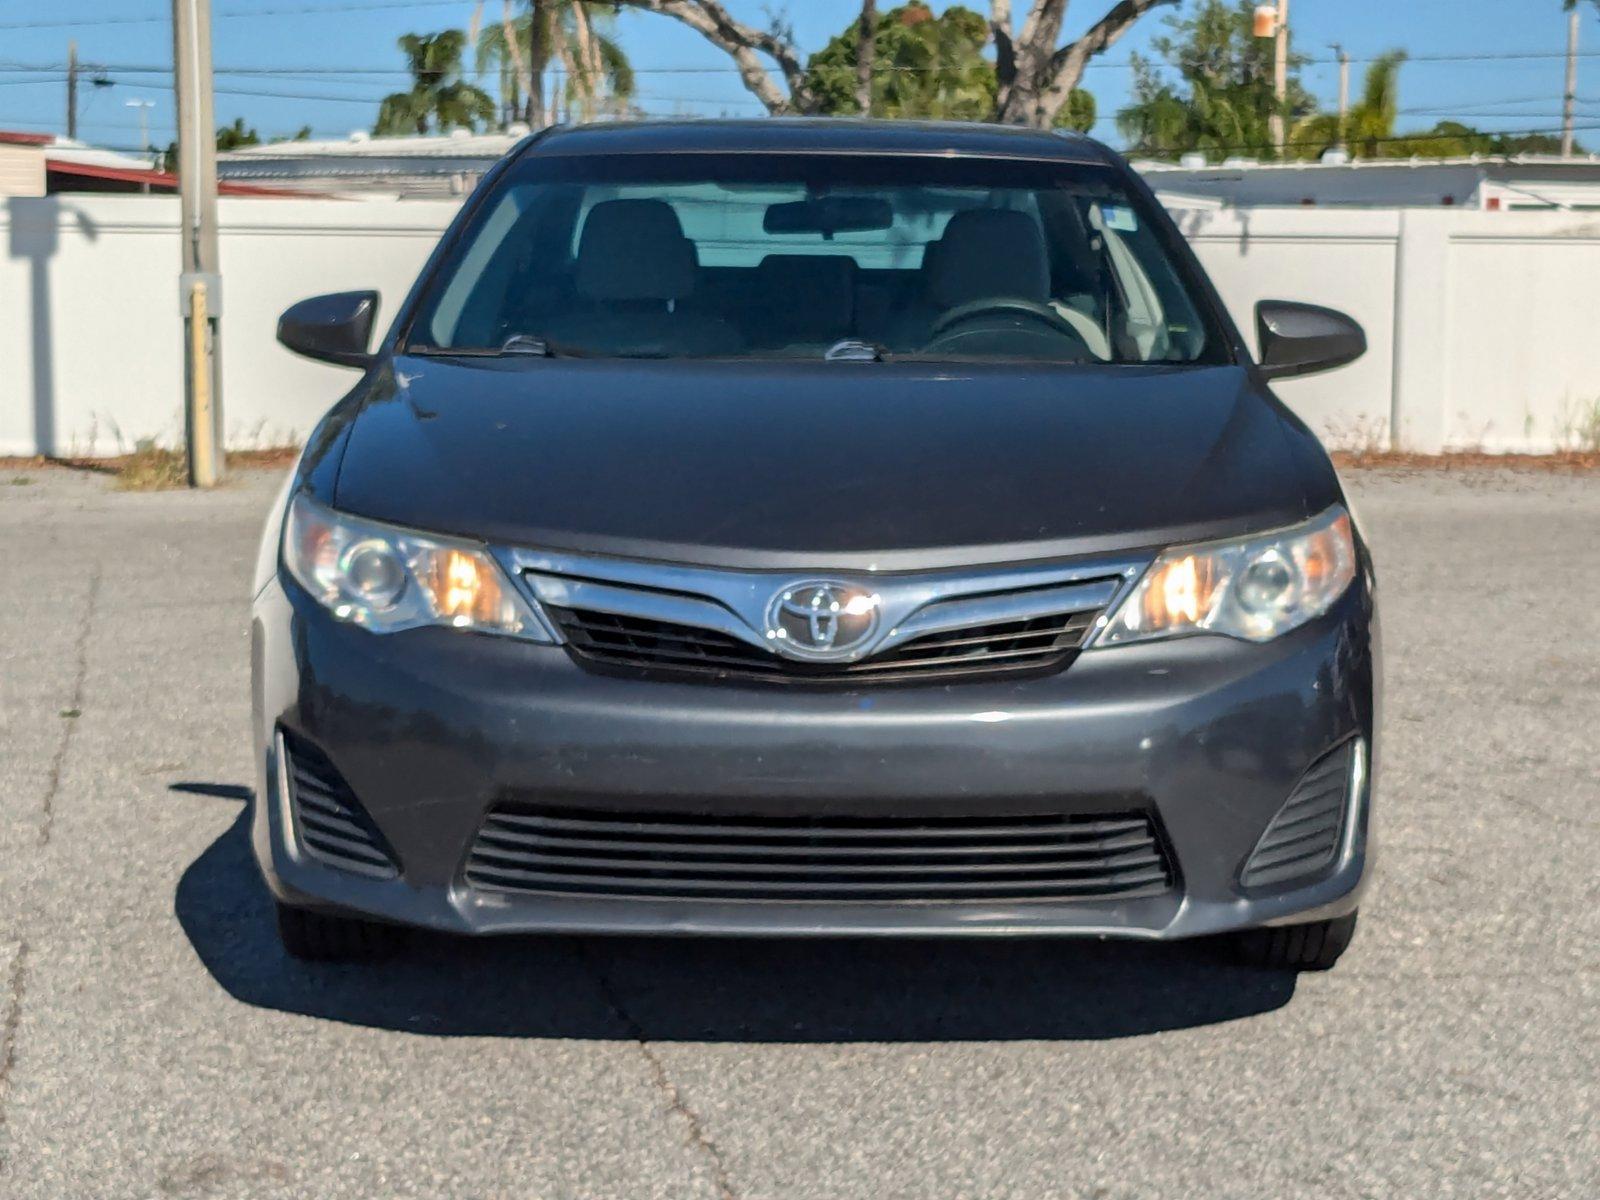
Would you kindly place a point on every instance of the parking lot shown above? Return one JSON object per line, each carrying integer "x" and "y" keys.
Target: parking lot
{"x": 154, "y": 1041}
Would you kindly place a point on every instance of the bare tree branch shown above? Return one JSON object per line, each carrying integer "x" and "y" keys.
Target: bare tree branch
{"x": 743, "y": 43}
{"x": 1005, "y": 51}
{"x": 1042, "y": 75}
{"x": 866, "y": 52}
{"x": 1066, "y": 65}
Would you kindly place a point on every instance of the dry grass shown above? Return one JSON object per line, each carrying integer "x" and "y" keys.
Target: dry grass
{"x": 149, "y": 468}
{"x": 1561, "y": 462}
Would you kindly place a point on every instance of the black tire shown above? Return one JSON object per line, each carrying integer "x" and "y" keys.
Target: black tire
{"x": 321, "y": 937}
{"x": 1315, "y": 946}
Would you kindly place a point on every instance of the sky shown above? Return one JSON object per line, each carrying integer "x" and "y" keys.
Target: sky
{"x": 283, "y": 64}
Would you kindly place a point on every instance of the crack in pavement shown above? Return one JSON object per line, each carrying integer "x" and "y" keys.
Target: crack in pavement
{"x": 74, "y": 706}
{"x": 16, "y": 988}
{"x": 697, "y": 1137}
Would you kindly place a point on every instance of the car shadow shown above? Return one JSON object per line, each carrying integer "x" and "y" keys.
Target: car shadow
{"x": 711, "y": 989}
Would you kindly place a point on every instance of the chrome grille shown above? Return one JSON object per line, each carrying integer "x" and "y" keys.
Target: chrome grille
{"x": 330, "y": 821}
{"x": 714, "y": 622}
{"x": 618, "y": 640}
{"x": 704, "y": 856}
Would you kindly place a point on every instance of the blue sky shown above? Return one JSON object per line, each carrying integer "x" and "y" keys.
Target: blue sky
{"x": 681, "y": 73}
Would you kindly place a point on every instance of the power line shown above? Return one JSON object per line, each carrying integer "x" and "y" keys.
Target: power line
{"x": 301, "y": 10}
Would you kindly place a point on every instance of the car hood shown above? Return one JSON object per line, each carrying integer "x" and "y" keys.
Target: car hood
{"x": 881, "y": 465}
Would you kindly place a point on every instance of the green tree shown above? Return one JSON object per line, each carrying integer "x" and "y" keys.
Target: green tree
{"x": 1214, "y": 92}
{"x": 575, "y": 36}
{"x": 1036, "y": 71}
{"x": 923, "y": 65}
{"x": 1369, "y": 127}
{"x": 231, "y": 137}
{"x": 438, "y": 98}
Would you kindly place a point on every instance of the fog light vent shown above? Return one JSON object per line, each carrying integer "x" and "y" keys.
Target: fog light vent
{"x": 330, "y": 821}
{"x": 1304, "y": 838}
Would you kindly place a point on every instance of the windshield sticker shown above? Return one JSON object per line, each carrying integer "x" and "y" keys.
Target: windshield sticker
{"x": 1119, "y": 217}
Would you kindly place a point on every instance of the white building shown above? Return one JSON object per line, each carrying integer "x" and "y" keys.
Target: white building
{"x": 1527, "y": 182}
{"x": 426, "y": 167}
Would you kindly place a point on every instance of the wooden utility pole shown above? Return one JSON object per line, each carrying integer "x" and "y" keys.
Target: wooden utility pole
{"x": 866, "y": 52}
{"x": 72, "y": 89}
{"x": 200, "y": 286}
{"x": 1572, "y": 82}
{"x": 1280, "y": 78}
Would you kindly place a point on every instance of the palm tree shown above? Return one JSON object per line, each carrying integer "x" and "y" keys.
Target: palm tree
{"x": 438, "y": 97}
{"x": 574, "y": 36}
{"x": 1369, "y": 127}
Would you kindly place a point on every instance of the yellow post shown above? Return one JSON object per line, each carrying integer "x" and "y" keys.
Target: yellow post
{"x": 202, "y": 461}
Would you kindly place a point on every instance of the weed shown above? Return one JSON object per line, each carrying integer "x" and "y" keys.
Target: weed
{"x": 151, "y": 468}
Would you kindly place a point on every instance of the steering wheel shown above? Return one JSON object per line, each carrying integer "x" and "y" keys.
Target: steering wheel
{"x": 1014, "y": 306}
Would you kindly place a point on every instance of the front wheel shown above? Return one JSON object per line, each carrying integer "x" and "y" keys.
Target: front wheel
{"x": 322, "y": 937}
{"x": 1314, "y": 946}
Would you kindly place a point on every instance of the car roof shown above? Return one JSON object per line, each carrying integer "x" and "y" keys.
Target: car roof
{"x": 819, "y": 135}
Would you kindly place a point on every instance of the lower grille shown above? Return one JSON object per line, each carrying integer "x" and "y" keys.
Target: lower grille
{"x": 695, "y": 856}
{"x": 644, "y": 644}
{"x": 332, "y": 825}
{"x": 1304, "y": 838}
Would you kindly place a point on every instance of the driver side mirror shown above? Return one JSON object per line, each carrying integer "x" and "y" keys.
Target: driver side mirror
{"x": 1299, "y": 339}
{"x": 332, "y": 329}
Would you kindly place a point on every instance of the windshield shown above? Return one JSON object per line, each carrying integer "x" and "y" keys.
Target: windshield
{"x": 812, "y": 256}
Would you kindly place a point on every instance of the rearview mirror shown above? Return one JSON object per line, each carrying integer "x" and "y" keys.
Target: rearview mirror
{"x": 332, "y": 329}
{"x": 1299, "y": 339}
{"x": 828, "y": 215}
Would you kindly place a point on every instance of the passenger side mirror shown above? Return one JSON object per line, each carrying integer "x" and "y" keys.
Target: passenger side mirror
{"x": 1299, "y": 339}
{"x": 333, "y": 329}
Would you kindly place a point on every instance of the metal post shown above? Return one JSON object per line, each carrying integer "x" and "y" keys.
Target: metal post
{"x": 1572, "y": 82}
{"x": 72, "y": 89}
{"x": 1280, "y": 78}
{"x": 201, "y": 284}
{"x": 1344, "y": 95}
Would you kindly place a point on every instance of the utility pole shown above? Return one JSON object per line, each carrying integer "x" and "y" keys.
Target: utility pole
{"x": 72, "y": 89}
{"x": 1344, "y": 94}
{"x": 200, "y": 285}
{"x": 1572, "y": 82}
{"x": 1280, "y": 78}
{"x": 144, "y": 107}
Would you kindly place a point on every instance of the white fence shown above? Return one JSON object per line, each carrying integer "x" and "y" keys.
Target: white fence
{"x": 1482, "y": 326}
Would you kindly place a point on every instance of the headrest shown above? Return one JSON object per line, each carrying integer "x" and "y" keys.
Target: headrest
{"x": 988, "y": 252}
{"x": 634, "y": 250}
{"x": 815, "y": 291}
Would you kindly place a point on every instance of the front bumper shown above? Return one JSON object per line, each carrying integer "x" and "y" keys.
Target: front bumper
{"x": 431, "y": 728}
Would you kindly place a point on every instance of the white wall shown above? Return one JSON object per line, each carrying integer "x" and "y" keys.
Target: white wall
{"x": 1482, "y": 326}
{"x": 90, "y": 334}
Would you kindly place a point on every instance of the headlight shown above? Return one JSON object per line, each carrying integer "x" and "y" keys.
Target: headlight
{"x": 1254, "y": 588}
{"x": 386, "y": 579}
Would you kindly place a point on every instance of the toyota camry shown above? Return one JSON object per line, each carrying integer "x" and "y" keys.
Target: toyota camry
{"x": 800, "y": 527}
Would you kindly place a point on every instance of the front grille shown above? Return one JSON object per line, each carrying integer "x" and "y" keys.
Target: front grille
{"x": 643, "y": 644}
{"x": 698, "y": 856}
{"x": 1303, "y": 839}
{"x": 331, "y": 823}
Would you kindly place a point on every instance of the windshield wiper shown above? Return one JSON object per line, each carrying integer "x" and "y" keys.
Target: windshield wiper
{"x": 532, "y": 345}
{"x": 855, "y": 350}
{"x": 537, "y": 345}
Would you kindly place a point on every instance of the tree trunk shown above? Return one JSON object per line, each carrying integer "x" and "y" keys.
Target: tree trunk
{"x": 1035, "y": 77}
{"x": 866, "y": 52}
{"x": 744, "y": 44}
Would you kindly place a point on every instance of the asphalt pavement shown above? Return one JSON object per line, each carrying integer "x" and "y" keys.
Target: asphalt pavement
{"x": 155, "y": 1042}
